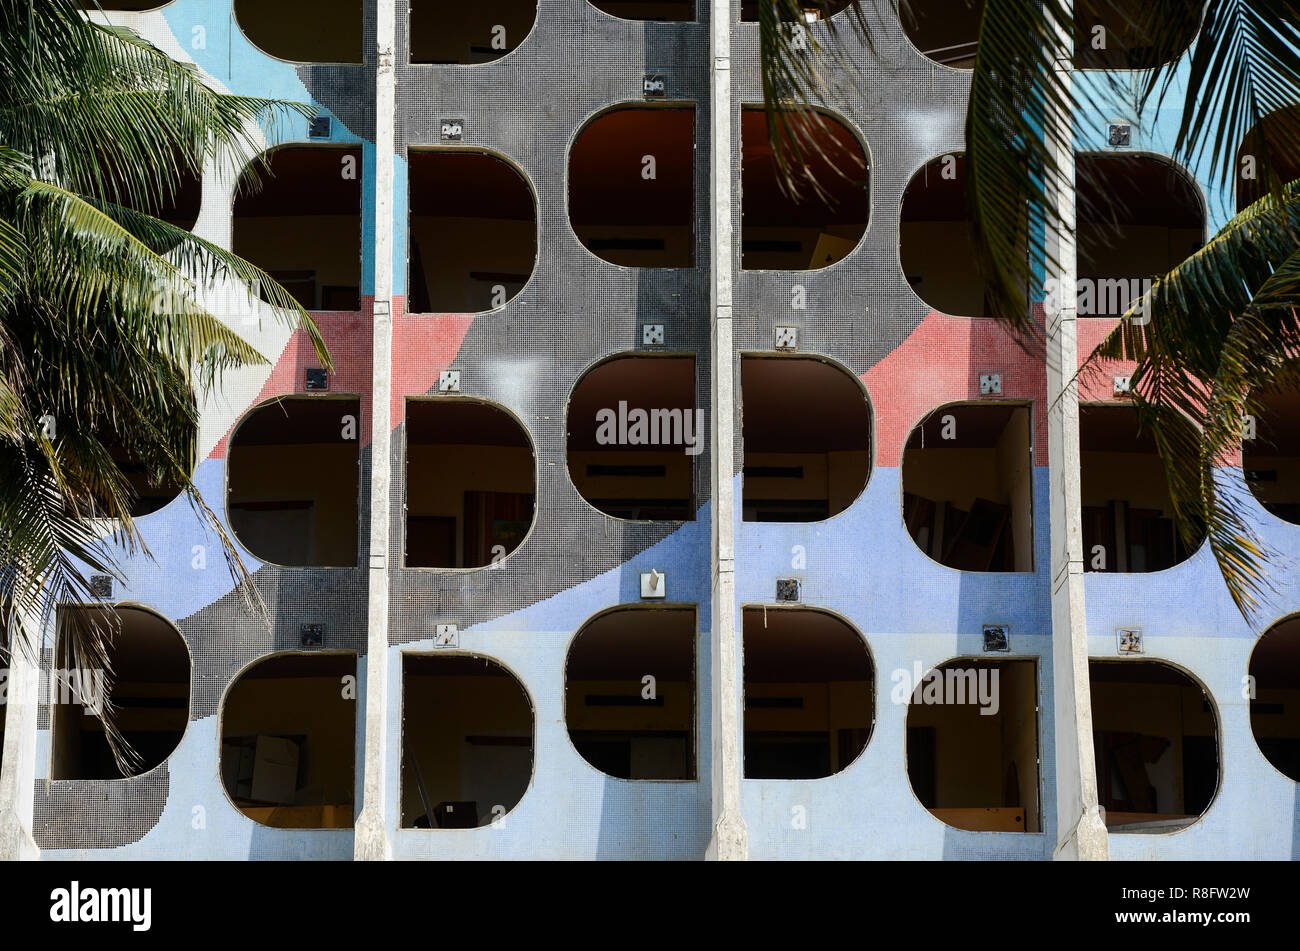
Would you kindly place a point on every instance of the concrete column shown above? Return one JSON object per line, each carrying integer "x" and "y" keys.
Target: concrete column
{"x": 18, "y": 762}
{"x": 371, "y": 842}
{"x": 1081, "y": 833}
{"x": 730, "y": 840}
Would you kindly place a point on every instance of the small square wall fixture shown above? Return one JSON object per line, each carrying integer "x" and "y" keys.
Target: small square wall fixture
{"x": 652, "y": 335}
{"x": 449, "y": 381}
{"x": 311, "y": 635}
{"x": 787, "y": 589}
{"x": 446, "y": 635}
{"x": 101, "y": 586}
{"x": 786, "y": 338}
{"x": 319, "y": 128}
{"x": 990, "y": 384}
{"x": 997, "y": 638}
{"x": 1119, "y": 135}
{"x": 316, "y": 380}
{"x": 654, "y": 584}
{"x": 1129, "y": 640}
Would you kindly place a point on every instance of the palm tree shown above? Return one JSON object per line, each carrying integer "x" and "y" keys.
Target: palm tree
{"x": 1222, "y": 326}
{"x": 104, "y": 347}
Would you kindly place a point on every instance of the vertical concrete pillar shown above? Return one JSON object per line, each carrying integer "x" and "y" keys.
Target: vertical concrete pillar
{"x": 371, "y": 841}
{"x": 18, "y": 759}
{"x": 1081, "y": 833}
{"x": 730, "y": 840}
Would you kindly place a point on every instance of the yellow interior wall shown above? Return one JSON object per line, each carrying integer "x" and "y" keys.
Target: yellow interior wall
{"x": 793, "y": 260}
{"x": 674, "y": 715}
{"x": 452, "y": 248}
{"x": 833, "y": 706}
{"x": 1137, "y": 477}
{"x": 675, "y": 483}
{"x": 677, "y": 252}
{"x": 314, "y": 706}
{"x": 435, "y": 488}
{"x": 437, "y": 713}
{"x": 293, "y": 473}
{"x": 835, "y": 476}
{"x": 330, "y": 245}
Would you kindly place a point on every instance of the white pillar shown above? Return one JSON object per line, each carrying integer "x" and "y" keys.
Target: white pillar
{"x": 371, "y": 840}
{"x": 1081, "y": 833}
{"x": 18, "y": 762}
{"x": 730, "y": 840}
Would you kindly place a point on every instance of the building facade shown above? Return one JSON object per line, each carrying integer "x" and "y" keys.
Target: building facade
{"x": 644, "y": 501}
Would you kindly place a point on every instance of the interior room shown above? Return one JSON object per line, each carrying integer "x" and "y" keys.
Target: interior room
{"x": 970, "y": 768}
{"x": 447, "y": 34}
{"x": 473, "y": 232}
{"x": 470, "y": 483}
{"x": 968, "y": 497}
{"x": 650, "y": 480}
{"x": 676, "y": 11}
{"x": 292, "y": 482}
{"x": 1155, "y": 736}
{"x": 827, "y": 217}
{"x": 302, "y": 224}
{"x": 467, "y": 741}
{"x": 936, "y": 243}
{"x": 620, "y": 722}
{"x": 1138, "y": 218}
{"x": 813, "y": 10}
{"x": 1128, "y": 515}
{"x": 150, "y": 694}
{"x": 1268, "y": 145}
{"x": 807, "y": 438}
{"x": 1275, "y": 707}
{"x": 289, "y": 738}
{"x": 1271, "y": 460}
{"x": 809, "y": 693}
{"x": 304, "y": 31}
{"x": 632, "y": 186}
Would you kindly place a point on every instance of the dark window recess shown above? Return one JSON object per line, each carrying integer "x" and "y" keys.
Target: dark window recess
{"x": 469, "y": 484}
{"x": 958, "y": 453}
{"x": 825, "y": 216}
{"x": 470, "y": 34}
{"x": 641, "y": 471}
{"x": 473, "y": 232}
{"x": 796, "y": 725}
{"x": 1156, "y": 746}
{"x": 467, "y": 742}
{"x": 972, "y": 765}
{"x": 807, "y": 439}
{"x": 150, "y": 691}
{"x": 617, "y": 208}
{"x": 293, "y": 482}
{"x": 1275, "y": 713}
{"x": 629, "y": 727}
{"x": 1134, "y": 532}
{"x": 300, "y": 221}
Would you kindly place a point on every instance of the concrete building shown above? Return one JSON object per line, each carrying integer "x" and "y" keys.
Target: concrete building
{"x": 507, "y": 621}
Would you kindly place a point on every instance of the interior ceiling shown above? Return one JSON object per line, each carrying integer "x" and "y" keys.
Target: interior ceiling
{"x": 456, "y": 422}
{"x": 605, "y": 167}
{"x": 931, "y": 197}
{"x": 1112, "y": 429}
{"x": 302, "y": 181}
{"x": 785, "y": 645}
{"x": 1273, "y": 136}
{"x": 1136, "y": 190}
{"x": 1278, "y": 426}
{"x": 835, "y": 162}
{"x": 794, "y": 404}
{"x": 978, "y": 426}
{"x": 1275, "y": 662}
{"x": 451, "y": 665}
{"x": 289, "y": 665}
{"x": 1138, "y": 672}
{"x": 296, "y": 421}
{"x": 629, "y": 644}
{"x": 145, "y": 648}
{"x": 644, "y": 382}
{"x": 468, "y": 185}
